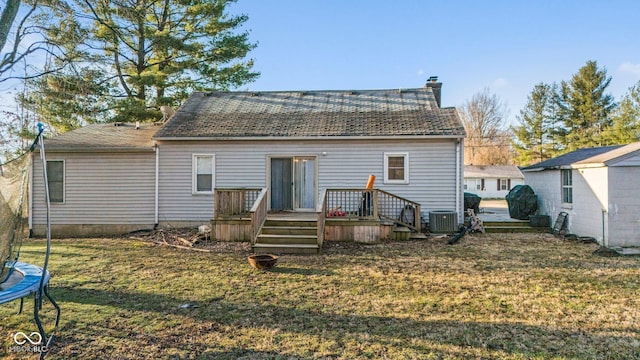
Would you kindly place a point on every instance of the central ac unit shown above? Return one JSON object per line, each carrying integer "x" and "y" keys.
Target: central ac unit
{"x": 441, "y": 221}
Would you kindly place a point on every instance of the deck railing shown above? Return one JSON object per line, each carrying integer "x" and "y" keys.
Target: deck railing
{"x": 258, "y": 214}
{"x": 234, "y": 203}
{"x": 371, "y": 204}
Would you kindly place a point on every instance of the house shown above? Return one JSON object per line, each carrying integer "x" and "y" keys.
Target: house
{"x": 491, "y": 181}
{"x": 597, "y": 188}
{"x": 224, "y": 154}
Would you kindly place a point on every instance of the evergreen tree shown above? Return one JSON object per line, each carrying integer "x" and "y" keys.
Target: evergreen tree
{"x": 533, "y": 140}
{"x": 625, "y": 126}
{"x": 584, "y": 109}
{"x": 126, "y": 58}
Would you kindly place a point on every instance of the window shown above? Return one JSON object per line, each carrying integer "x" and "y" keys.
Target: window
{"x": 567, "y": 187}
{"x": 203, "y": 166}
{"x": 55, "y": 179}
{"x": 504, "y": 184}
{"x": 396, "y": 168}
{"x": 473, "y": 184}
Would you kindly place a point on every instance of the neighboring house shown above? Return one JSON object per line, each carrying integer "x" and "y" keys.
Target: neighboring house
{"x": 491, "y": 181}
{"x": 597, "y": 187}
{"x": 293, "y": 144}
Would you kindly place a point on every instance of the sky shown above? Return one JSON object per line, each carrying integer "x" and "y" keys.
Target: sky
{"x": 505, "y": 46}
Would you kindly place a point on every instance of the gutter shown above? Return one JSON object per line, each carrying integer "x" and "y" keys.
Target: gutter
{"x": 297, "y": 138}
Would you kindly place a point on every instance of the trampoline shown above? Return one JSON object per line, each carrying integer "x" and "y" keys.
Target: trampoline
{"x": 19, "y": 280}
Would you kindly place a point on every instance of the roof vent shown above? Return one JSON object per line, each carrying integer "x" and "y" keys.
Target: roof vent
{"x": 255, "y": 94}
{"x": 353, "y": 93}
{"x": 433, "y": 79}
{"x": 302, "y": 93}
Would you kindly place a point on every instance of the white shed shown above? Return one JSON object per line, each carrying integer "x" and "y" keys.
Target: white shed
{"x": 597, "y": 187}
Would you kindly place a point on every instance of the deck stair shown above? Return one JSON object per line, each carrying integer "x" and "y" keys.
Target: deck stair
{"x": 288, "y": 236}
{"x": 513, "y": 226}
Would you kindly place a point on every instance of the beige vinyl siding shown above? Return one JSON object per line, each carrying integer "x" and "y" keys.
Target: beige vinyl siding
{"x": 347, "y": 164}
{"x": 99, "y": 188}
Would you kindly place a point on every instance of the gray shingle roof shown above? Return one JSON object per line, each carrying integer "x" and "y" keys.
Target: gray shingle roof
{"x": 570, "y": 158}
{"x": 612, "y": 155}
{"x": 219, "y": 115}
{"x": 492, "y": 171}
{"x": 105, "y": 137}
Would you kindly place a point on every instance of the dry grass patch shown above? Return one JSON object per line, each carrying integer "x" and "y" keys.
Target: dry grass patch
{"x": 487, "y": 297}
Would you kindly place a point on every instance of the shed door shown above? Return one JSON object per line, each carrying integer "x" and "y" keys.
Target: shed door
{"x": 281, "y": 184}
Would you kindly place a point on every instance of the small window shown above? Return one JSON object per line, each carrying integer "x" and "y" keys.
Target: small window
{"x": 55, "y": 179}
{"x": 504, "y": 184}
{"x": 567, "y": 187}
{"x": 203, "y": 166}
{"x": 396, "y": 168}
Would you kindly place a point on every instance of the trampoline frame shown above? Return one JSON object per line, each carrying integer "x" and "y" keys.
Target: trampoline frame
{"x": 35, "y": 279}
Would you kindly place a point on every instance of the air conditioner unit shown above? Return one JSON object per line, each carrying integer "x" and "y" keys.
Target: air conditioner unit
{"x": 441, "y": 221}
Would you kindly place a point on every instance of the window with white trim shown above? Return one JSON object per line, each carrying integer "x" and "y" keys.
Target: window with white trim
{"x": 567, "y": 186}
{"x": 55, "y": 179}
{"x": 473, "y": 185}
{"x": 396, "y": 168}
{"x": 203, "y": 173}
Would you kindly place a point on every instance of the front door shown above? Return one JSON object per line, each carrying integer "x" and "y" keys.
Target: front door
{"x": 293, "y": 183}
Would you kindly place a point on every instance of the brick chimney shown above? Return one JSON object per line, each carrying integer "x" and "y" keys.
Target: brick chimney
{"x": 436, "y": 87}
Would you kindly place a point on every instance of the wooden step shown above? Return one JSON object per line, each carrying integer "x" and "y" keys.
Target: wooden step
{"x": 507, "y": 223}
{"x": 289, "y": 230}
{"x": 285, "y": 248}
{"x": 290, "y": 223}
{"x": 515, "y": 229}
{"x": 287, "y": 239}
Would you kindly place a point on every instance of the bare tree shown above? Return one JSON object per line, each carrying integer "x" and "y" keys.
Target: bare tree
{"x": 487, "y": 140}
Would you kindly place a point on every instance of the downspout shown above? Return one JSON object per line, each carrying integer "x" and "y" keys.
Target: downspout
{"x": 604, "y": 212}
{"x": 458, "y": 207}
{"x": 155, "y": 219}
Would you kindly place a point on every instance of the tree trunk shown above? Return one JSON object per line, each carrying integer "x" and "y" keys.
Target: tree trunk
{"x": 6, "y": 20}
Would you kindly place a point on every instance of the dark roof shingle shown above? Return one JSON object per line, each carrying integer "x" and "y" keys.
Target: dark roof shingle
{"x": 570, "y": 158}
{"x": 411, "y": 112}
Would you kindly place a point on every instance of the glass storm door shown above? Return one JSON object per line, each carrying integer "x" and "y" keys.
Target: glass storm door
{"x": 304, "y": 183}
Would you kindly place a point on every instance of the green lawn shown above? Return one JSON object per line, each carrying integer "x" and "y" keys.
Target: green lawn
{"x": 487, "y": 297}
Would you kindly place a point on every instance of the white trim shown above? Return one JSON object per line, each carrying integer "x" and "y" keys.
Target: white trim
{"x": 64, "y": 181}
{"x": 194, "y": 175}
{"x": 568, "y": 186}
{"x": 406, "y": 167}
{"x": 156, "y": 205}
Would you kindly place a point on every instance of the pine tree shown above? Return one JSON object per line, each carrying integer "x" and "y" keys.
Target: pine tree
{"x": 533, "y": 140}
{"x": 584, "y": 109}
{"x": 625, "y": 126}
{"x": 129, "y": 57}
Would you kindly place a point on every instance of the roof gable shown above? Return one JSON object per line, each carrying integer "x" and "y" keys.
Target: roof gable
{"x": 312, "y": 114}
{"x": 613, "y": 156}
